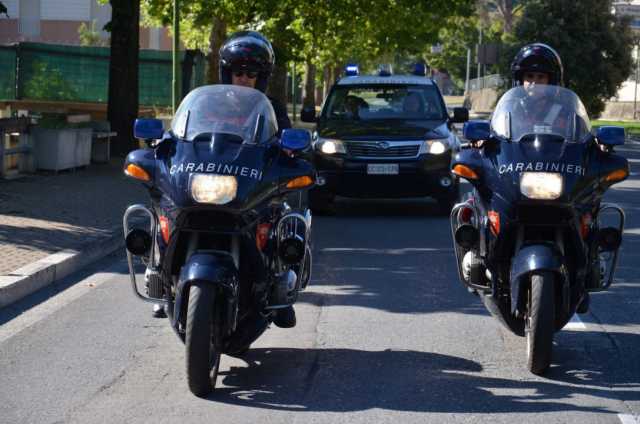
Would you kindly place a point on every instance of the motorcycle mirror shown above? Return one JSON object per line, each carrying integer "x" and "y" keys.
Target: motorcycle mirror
{"x": 476, "y": 130}
{"x": 148, "y": 129}
{"x": 610, "y": 135}
{"x": 295, "y": 139}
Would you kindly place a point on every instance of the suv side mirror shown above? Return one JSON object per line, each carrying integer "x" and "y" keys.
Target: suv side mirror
{"x": 460, "y": 114}
{"x": 308, "y": 114}
{"x": 295, "y": 139}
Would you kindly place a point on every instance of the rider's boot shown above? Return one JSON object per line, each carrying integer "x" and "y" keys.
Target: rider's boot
{"x": 285, "y": 317}
{"x": 583, "y": 306}
{"x": 158, "y": 311}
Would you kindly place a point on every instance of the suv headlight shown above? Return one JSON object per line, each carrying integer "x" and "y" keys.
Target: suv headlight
{"x": 436, "y": 146}
{"x": 214, "y": 189}
{"x": 329, "y": 146}
{"x": 541, "y": 185}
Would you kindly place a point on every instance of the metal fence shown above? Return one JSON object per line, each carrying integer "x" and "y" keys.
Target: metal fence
{"x": 488, "y": 81}
{"x": 34, "y": 71}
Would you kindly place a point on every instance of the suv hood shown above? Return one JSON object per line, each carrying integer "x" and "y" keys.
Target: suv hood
{"x": 383, "y": 130}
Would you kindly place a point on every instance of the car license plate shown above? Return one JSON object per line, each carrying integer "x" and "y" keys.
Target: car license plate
{"x": 383, "y": 169}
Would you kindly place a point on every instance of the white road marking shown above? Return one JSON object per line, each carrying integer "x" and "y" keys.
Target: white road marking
{"x": 575, "y": 323}
{"x": 385, "y": 251}
{"x": 628, "y": 419}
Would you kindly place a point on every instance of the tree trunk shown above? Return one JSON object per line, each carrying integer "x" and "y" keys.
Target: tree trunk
{"x": 506, "y": 8}
{"x": 309, "y": 85}
{"x": 122, "y": 108}
{"x": 216, "y": 38}
{"x": 187, "y": 71}
{"x": 337, "y": 70}
{"x": 277, "y": 87}
{"x": 327, "y": 81}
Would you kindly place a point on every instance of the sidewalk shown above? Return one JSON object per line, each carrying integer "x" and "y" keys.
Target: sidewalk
{"x": 53, "y": 224}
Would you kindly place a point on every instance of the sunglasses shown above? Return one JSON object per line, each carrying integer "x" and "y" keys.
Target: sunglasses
{"x": 249, "y": 74}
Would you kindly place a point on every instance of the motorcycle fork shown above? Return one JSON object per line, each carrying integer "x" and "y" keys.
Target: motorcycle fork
{"x": 566, "y": 287}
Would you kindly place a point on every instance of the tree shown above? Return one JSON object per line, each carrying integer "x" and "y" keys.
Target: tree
{"x": 3, "y": 9}
{"x": 122, "y": 108}
{"x": 595, "y": 45}
{"x": 90, "y": 36}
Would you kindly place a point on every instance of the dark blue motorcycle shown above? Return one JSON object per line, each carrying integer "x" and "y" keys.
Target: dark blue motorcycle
{"x": 224, "y": 251}
{"x": 530, "y": 238}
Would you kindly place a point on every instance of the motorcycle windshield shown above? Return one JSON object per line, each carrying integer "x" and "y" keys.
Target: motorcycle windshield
{"x": 524, "y": 113}
{"x": 239, "y": 113}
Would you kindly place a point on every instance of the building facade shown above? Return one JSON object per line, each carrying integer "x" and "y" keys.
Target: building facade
{"x": 57, "y": 22}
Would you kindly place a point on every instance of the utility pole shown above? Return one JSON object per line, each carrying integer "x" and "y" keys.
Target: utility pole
{"x": 466, "y": 81}
{"x": 480, "y": 85}
{"x": 293, "y": 89}
{"x": 635, "y": 93}
{"x": 175, "y": 92}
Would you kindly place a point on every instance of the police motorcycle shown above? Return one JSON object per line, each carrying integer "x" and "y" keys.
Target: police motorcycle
{"x": 532, "y": 238}
{"x": 223, "y": 250}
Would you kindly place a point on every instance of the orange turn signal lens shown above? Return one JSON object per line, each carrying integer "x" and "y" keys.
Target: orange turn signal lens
{"x": 137, "y": 172}
{"x": 300, "y": 182}
{"x": 616, "y": 176}
{"x": 465, "y": 172}
{"x": 494, "y": 221}
{"x": 262, "y": 235}
{"x": 164, "y": 228}
{"x": 585, "y": 225}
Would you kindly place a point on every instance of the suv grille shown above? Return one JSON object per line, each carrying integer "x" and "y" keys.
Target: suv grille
{"x": 382, "y": 149}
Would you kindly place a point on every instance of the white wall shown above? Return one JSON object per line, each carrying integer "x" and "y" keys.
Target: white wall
{"x": 66, "y": 10}
{"x": 12, "y": 8}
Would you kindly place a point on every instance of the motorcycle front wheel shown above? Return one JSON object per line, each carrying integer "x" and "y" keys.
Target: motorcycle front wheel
{"x": 202, "y": 358}
{"x": 540, "y": 322}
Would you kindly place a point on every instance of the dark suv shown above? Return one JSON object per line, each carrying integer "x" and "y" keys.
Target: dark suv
{"x": 384, "y": 136}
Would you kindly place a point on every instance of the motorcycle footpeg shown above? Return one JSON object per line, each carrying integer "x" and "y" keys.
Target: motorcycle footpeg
{"x": 153, "y": 281}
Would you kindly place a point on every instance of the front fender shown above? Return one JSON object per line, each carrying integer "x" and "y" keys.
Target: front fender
{"x": 216, "y": 268}
{"x": 537, "y": 257}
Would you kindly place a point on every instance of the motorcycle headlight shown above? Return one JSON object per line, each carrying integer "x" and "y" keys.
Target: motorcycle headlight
{"x": 213, "y": 189}
{"x": 541, "y": 185}
{"x": 329, "y": 146}
{"x": 435, "y": 147}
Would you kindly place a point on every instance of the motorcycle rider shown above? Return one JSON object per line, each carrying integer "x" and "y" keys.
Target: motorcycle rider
{"x": 247, "y": 59}
{"x": 539, "y": 64}
{"x": 536, "y": 64}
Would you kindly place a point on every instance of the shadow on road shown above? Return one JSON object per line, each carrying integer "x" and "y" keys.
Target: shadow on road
{"x": 341, "y": 380}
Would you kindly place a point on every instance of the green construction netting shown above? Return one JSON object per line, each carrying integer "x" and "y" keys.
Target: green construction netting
{"x": 7, "y": 73}
{"x": 72, "y": 73}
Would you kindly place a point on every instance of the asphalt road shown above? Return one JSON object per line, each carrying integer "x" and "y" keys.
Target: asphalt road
{"x": 386, "y": 333}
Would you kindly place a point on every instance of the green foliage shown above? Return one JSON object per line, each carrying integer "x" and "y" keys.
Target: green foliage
{"x": 47, "y": 82}
{"x": 90, "y": 36}
{"x": 595, "y": 46}
{"x": 327, "y": 32}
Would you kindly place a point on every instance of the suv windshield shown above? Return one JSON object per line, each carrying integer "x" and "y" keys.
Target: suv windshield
{"x": 244, "y": 113}
{"x": 541, "y": 109}
{"x": 376, "y": 102}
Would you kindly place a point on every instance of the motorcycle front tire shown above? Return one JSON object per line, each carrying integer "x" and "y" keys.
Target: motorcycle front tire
{"x": 202, "y": 358}
{"x": 539, "y": 326}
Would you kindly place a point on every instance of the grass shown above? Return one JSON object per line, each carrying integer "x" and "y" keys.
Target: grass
{"x": 631, "y": 127}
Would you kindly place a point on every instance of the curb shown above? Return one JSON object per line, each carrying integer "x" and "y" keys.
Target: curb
{"x": 31, "y": 278}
